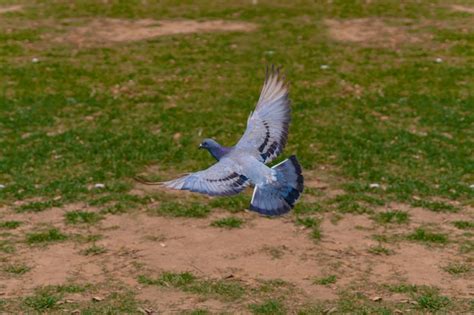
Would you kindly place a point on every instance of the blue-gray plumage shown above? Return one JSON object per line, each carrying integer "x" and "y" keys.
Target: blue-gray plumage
{"x": 276, "y": 188}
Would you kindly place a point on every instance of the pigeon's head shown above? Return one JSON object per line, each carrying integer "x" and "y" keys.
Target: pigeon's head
{"x": 216, "y": 150}
{"x": 209, "y": 144}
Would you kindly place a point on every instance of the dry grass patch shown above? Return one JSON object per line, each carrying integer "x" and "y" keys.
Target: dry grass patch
{"x": 100, "y": 31}
{"x": 369, "y": 31}
{"x": 462, "y": 8}
{"x": 11, "y": 8}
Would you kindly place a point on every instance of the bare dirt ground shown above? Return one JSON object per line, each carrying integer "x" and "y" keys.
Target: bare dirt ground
{"x": 462, "y": 8}
{"x": 264, "y": 249}
{"x": 100, "y": 31}
{"x": 10, "y": 8}
{"x": 370, "y": 31}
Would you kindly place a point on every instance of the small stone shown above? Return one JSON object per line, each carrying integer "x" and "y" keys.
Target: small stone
{"x": 374, "y": 185}
{"x": 270, "y": 52}
{"x": 162, "y": 244}
{"x": 34, "y": 60}
{"x": 99, "y": 185}
{"x": 470, "y": 186}
{"x": 397, "y": 311}
{"x": 324, "y": 67}
{"x": 376, "y": 298}
{"x": 75, "y": 312}
{"x": 97, "y": 299}
{"x": 2, "y": 186}
{"x": 439, "y": 60}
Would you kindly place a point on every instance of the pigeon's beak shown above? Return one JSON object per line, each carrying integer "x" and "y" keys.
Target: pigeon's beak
{"x": 200, "y": 146}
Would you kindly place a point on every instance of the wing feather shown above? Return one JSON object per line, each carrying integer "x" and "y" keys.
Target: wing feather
{"x": 224, "y": 178}
{"x": 267, "y": 127}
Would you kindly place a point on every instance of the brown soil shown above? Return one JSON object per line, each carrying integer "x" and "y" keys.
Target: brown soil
{"x": 10, "y": 8}
{"x": 141, "y": 244}
{"x": 117, "y": 30}
{"x": 369, "y": 31}
{"x": 462, "y": 8}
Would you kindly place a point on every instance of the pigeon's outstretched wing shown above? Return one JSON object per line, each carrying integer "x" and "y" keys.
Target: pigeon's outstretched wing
{"x": 221, "y": 179}
{"x": 267, "y": 126}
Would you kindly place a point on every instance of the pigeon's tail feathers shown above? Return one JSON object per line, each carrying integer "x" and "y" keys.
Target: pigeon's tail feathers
{"x": 280, "y": 197}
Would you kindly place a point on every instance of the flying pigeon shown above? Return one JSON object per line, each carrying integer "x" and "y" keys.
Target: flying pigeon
{"x": 277, "y": 188}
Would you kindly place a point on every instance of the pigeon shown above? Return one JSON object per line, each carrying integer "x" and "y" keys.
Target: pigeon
{"x": 277, "y": 188}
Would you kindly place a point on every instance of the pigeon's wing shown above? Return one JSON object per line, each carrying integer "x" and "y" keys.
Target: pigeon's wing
{"x": 224, "y": 178}
{"x": 267, "y": 126}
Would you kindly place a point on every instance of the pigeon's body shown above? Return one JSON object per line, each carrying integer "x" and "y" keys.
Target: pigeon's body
{"x": 276, "y": 188}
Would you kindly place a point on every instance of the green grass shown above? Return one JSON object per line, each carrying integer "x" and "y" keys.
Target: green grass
{"x": 186, "y": 281}
{"x": 17, "y": 269}
{"x": 48, "y": 236}
{"x": 397, "y": 217}
{"x": 326, "y": 280}
{"x": 93, "y": 250}
{"x": 435, "y": 206}
{"x": 269, "y": 307}
{"x": 228, "y": 223}
{"x": 38, "y": 206}
{"x": 380, "y": 250}
{"x": 9, "y": 224}
{"x": 176, "y": 209}
{"x": 77, "y": 217}
{"x": 6, "y": 247}
{"x": 422, "y": 235}
{"x": 432, "y": 301}
{"x": 464, "y": 225}
{"x": 457, "y": 268}
{"x": 311, "y": 223}
{"x": 42, "y": 301}
{"x": 403, "y": 288}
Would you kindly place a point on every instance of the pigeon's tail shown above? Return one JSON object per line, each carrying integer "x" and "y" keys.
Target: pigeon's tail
{"x": 279, "y": 197}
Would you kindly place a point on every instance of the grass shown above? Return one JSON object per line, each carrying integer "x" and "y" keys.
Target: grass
{"x": 312, "y": 224}
{"x": 426, "y": 298}
{"x": 398, "y": 217}
{"x": 464, "y": 225}
{"x": 331, "y": 279}
{"x": 6, "y": 247}
{"x": 186, "y": 281}
{"x": 9, "y": 224}
{"x": 38, "y": 206}
{"x": 42, "y": 301}
{"x": 457, "y": 268}
{"x": 17, "y": 269}
{"x": 228, "y": 223}
{"x": 268, "y": 307}
{"x": 422, "y": 235}
{"x": 435, "y": 206}
{"x": 93, "y": 250}
{"x": 380, "y": 250}
{"x": 403, "y": 288}
{"x": 48, "y": 236}
{"x": 432, "y": 301}
{"x": 78, "y": 217}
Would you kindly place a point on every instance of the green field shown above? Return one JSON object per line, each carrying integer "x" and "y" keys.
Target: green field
{"x": 95, "y": 93}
